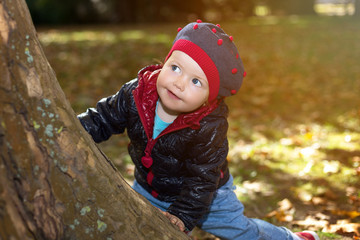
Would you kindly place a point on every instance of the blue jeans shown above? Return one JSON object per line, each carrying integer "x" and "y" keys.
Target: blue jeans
{"x": 226, "y": 219}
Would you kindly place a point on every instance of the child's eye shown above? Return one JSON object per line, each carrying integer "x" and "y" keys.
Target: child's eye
{"x": 175, "y": 68}
{"x": 196, "y": 82}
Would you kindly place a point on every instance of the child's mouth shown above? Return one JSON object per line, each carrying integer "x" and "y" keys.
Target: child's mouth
{"x": 172, "y": 95}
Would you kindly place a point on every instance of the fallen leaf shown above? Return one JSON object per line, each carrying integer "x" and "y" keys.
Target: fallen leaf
{"x": 285, "y": 211}
{"x": 351, "y": 214}
{"x": 343, "y": 226}
{"x": 331, "y": 166}
{"x": 285, "y": 204}
{"x": 312, "y": 222}
{"x": 319, "y": 201}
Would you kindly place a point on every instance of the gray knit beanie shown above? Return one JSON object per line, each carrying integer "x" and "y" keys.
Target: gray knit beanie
{"x": 215, "y": 53}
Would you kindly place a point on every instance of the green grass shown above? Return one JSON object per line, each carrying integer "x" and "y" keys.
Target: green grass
{"x": 294, "y": 126}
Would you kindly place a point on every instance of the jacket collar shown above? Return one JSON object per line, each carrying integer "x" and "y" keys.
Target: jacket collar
{"x": 145, "y": 96}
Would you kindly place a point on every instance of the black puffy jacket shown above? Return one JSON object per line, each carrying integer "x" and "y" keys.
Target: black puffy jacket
{"x": 185, "y": 164}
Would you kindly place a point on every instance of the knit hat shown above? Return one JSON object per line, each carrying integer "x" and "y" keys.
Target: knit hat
{"x": 215, "y": 53}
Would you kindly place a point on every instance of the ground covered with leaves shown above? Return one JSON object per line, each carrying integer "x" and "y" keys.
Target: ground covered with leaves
{"x": 294, "y": 126}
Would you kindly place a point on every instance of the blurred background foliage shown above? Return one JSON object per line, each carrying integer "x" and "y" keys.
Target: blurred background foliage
{"x": 141, "y": 11}
{"x": 294, "y": 126}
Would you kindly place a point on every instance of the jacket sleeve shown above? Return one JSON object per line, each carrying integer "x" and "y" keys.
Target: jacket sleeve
{"x": 206, "y": 157}
{"x": 110, "y": 115}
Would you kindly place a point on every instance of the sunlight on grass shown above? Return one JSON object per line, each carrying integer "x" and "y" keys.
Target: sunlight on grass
{"x": 59, "y": 37}
{"x": 274, "y": 20}
{"x": 306, "y": 152}
{"x": 345, "y": 140}
{"x": 141, "y": 35}
{"x": 350, "y": 120}
{"x": 248, "y": 190}
{"x": 332, "y": 9}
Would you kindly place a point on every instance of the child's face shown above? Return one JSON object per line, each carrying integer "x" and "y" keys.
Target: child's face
{"x": 182, "y": 85}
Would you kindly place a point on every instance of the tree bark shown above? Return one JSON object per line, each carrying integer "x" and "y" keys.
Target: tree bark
{"x": 54, "y": 181}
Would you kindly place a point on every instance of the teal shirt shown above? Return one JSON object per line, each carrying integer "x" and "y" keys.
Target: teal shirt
{"x": 159, "y": 124}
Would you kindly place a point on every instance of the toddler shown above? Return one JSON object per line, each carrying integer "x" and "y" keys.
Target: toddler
{"x": 176, "y": 121}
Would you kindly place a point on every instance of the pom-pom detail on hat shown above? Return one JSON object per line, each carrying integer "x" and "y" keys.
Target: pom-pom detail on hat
{"x": 179, "y": 29}
{"x": 244, "y": 75}
{"x": 199, "y": 21}
{"x": 223, "y": 71}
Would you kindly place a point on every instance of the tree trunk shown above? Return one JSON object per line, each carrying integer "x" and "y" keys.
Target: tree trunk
{"x": 54, "y": 181}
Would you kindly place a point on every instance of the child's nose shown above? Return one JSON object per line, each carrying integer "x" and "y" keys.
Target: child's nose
{"x": 180, "y": 83}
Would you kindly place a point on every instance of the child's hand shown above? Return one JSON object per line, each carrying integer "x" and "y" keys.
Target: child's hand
{"x": 174, "y": 220}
